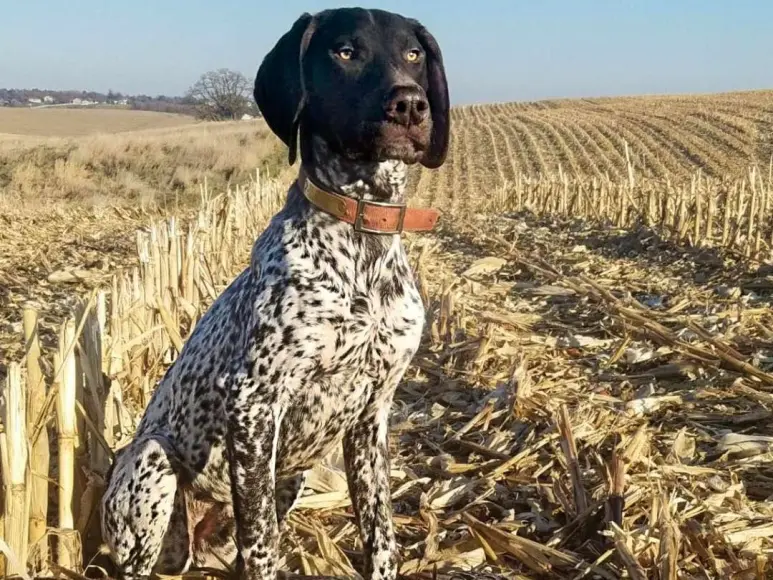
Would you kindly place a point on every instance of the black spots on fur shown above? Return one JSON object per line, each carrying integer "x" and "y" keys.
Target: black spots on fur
{"x": 277, "y": 310}
{"x": 270, "y": 397}
{"x": 343, "y": 251}
{"x": 347, "y": 352}
{"x": 387, "y": 292}
{"x": 259, "y": 333}
{"x": 258, "y": 366}
{"x": 359, "y": 306}
{"x": 324, "y": 277}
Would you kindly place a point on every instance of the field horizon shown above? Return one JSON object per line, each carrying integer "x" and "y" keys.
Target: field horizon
{"x": 83, "y": 152}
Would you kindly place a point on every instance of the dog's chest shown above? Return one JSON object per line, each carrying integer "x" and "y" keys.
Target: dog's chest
{"x": 358, "y": 342}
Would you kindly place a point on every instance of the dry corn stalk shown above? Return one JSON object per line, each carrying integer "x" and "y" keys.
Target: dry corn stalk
{"x": 569, "y": 447}
{"x": 66, "y": 433}
{"x": 39, "y": 458}
{"x": 16, "y": 476}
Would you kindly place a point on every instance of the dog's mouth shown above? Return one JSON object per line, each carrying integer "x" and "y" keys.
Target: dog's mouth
{"x": 386, "y": 140}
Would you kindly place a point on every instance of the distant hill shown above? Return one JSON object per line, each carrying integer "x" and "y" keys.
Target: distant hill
{"x": 41, "y": 98}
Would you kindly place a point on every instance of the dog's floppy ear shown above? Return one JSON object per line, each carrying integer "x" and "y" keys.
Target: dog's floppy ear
{"x": 279, "y": 86}
{"x": 438, "y": 100}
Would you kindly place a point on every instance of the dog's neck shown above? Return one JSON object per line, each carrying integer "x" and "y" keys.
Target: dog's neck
{"x": 373, "y": 181}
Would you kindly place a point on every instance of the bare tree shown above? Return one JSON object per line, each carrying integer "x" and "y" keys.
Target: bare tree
{"x": 220, "y": 95}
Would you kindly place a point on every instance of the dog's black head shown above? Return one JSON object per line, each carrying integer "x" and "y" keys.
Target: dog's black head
{"x": 370, "y": 83}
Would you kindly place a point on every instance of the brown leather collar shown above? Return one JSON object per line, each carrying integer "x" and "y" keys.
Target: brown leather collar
{"x": 373, "y": 217}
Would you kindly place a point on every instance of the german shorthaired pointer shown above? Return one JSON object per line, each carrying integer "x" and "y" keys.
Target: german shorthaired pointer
{"x": 306, "y": 347}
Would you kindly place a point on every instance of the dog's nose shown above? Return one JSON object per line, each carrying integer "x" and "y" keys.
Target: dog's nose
{"x": 407, "y": 106}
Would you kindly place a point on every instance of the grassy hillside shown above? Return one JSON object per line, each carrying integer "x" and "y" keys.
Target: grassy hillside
{"x": 137, "y": 168}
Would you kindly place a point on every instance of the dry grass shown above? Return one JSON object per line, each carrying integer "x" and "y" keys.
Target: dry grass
{"x": 155, "y": 167}
{"x": 70, "y": 122}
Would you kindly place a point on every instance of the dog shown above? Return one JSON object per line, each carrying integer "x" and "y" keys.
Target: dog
{"x": 305, "y": 349}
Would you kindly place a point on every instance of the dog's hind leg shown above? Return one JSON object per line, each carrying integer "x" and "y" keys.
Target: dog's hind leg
{"x": 176, "y": 551}
{"x": 143, "y": 512}
{"x": 287, "y": 493}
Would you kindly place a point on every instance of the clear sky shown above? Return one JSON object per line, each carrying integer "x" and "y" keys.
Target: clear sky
{"x": 495, "y": 50}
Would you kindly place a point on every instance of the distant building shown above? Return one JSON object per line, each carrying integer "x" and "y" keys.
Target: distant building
{"x": 48, "y": 99}
{"x": 247, "y": 117}
{"x": 34, "y": 101}
{"x": 77, "y": 101}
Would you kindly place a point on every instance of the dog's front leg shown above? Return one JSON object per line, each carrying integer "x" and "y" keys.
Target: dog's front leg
{"x": 366, "y": 455}
{"x": 252, "y": 437}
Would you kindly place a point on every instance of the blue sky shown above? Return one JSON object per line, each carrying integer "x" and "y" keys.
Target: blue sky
{"x": 495, "y": 50}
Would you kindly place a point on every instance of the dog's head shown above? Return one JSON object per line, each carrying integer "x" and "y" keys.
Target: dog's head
{"x": 370, "y": 83}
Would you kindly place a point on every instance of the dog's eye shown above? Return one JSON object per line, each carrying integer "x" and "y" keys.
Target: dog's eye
{"x": 413, "y": 55}
{"x": 345, "y": 53}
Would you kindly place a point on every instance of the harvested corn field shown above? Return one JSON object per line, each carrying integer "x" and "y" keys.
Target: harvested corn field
{"x": 592, "y": 397}
{"x": 590, "y": 401}
{"x": 667, "y": 136}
